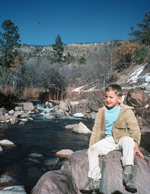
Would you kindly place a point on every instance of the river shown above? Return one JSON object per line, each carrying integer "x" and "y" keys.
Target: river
{"x": 43, "y": 138}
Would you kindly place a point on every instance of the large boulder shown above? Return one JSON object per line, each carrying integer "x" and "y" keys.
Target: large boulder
{"x": 95, "y": 104}
{"x": 137, "y": 98}
{"x": 27, "y": 106}
{"x": 79, "y": 107}
{"x": 64, "y": 105}
{"x": 81, "y": 128}
{"x": 73, "y": 175}
{"x": 55, "y": 182}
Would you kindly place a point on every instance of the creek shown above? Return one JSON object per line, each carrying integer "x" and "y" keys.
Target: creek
{"x": 38, "y": 141}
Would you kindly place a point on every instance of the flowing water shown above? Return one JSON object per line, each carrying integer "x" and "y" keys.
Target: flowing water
{"x": 43, "y": 138}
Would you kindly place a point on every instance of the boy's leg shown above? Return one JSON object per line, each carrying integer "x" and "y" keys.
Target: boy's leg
{"x": 102, "y": 147}
{"x": 127, "y": 144}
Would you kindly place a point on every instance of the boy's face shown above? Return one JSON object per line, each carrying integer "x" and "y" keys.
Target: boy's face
{"x": 112, "y": 100}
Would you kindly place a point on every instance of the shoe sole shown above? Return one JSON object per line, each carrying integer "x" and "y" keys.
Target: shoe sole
{"x": 86, "y": 191}
{"x": 131, "y": 190}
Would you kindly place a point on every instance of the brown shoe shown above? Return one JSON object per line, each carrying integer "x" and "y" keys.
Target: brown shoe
{"x": 128, "y": 181}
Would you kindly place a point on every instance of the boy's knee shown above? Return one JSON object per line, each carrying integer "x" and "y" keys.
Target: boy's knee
{"x": 128, "y": 140}
{"x": 93, "y": 148}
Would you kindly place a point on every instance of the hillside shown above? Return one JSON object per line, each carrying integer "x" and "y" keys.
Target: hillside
{"x": 137, "y": 75}
{"x": 77, "y": 50}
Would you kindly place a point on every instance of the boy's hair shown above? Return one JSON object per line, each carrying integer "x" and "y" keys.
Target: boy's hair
{"x": 114, "y": 87}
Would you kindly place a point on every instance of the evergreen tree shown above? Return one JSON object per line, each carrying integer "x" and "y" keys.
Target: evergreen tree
{"x": 8, "y": 41}
{"x": 142, "y": 35}
{"x": 58, "y": 48}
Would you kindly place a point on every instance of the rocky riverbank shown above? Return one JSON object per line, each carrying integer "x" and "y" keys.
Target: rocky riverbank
{"x": 73, "y": 175}
{"x": 86, "y": 108}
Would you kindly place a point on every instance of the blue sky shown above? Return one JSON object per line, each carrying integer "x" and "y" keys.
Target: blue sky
{"x": 76, "y": 21}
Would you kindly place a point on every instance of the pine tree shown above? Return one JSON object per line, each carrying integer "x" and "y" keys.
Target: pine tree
{"x": 58, "y": 48}
{"x": 8, "y": 41}
{"x": 142, "y": 35}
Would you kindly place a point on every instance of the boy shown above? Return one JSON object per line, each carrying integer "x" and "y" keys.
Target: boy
{"x": 115, "y": 128}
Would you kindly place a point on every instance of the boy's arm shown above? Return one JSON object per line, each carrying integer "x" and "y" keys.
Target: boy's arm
{"x": 137, "y": 150}
{"x": 132, "y": 126}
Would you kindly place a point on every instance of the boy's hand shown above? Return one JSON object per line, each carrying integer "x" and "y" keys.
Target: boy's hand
{"x": 86, "y": 152}
{"x": 137, "y": 150}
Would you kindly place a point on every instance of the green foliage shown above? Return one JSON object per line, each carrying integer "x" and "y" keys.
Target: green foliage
{"x": 82, "y": 60}
{"x": 140, "y": 54}
{"x": 69, "y": 58}
{"x": 8, "y": 40}
{"x": 142, "y": 35}
{"x": 4, "y": 76}
{"x": 58, "y": 49}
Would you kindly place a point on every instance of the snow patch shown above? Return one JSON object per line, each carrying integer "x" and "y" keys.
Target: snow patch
{"x": 133, "y": 77}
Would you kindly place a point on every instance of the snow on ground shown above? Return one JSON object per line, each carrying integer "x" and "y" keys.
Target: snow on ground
{"x": 78, "y": 89}
{"x": 133, "y": 77}
{"x": 81, "y": 89}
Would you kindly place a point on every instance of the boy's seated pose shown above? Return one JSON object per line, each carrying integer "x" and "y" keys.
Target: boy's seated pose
{"x": 115, "y": 128}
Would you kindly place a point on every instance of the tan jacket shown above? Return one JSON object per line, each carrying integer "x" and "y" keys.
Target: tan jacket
{"x": 125, "y": 125}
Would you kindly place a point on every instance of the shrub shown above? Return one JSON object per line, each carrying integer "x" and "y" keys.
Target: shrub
{"x": 69, "y": 58}
{"x": 140, "y": 54}
{"x": 82, "y": 60}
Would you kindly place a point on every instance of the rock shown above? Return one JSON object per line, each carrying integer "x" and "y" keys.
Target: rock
{"x": 48, "y": 105}
{"x": 137, "y": 98}
{"x": 11, "y": 112}
{"x": 48, "y": 183}
{"x": 25, "y": 114}
{"x": 65, "y": 153}
{"x": 30, "y": 118}
{"x": 17, "y": 113}
{"x": 51, "y": 117}
{"x": 74, "y": 103}
{"x": 36, "y": 111}
{"x": 13, "y": 120}
{"x": 62, "y": 117}
{"x": 81, "y": 128}
{"x": 22, "y": 123}
{"x": 3, "y": 119}
{"x": 27, "y": 106}
{"x": 2, "y": 111}
{"x": 78, "y": 115}
{"x": 55, "y": 109}
{"x": 74, "y": 174}
{"x": 60, "y": 111}
{"x": 6, "y": 142}
{"x": 13, "y": 190}
{"x": 64, "y": 105}
{"x": 95, "y": 104}
{"x": 66, "y": 114}
{"x": 71, "y": 126}
{"x": 144, "y": 129}
{"x": 92, "y": 115}
{"x": 18, "y": 108}
{"x": 5, "y": 179}
{"x": 35, "y": 155}
{"x": 147, "y": 88}
{"x": 52, "y": 161}
{"x": 23, "y": 119}
{"x": 80, "y": 107}
{"x": 142, "y": 124}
